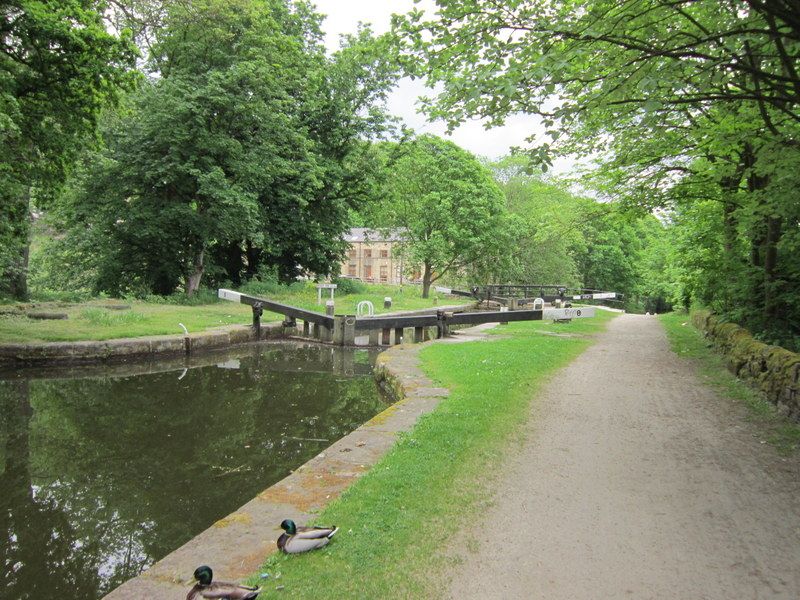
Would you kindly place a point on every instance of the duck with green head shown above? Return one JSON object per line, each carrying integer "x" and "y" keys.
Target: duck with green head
{"x": 302, "y": 539}
{"x": 222, "y": 590}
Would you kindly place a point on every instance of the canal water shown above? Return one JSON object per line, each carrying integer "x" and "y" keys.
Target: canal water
{"x": 103, "y": 471}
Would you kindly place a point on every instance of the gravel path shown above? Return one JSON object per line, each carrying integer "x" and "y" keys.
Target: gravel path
{"x": 636, "y": 481}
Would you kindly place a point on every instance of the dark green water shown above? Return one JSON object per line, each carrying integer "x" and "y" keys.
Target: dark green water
{"x": 102, "y": 475}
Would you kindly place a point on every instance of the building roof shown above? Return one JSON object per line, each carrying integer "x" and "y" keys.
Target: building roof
{"x": 362, "y": 234}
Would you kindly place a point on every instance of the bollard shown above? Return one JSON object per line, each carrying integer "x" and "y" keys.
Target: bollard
{"x": 387, "y": 302}
{"x": 502, "y": 310}
{"x": 329, "y": 307}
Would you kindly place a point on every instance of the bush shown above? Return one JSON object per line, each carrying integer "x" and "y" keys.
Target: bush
{"x": 262, "y": 287}
{"x": 346, "y": 286}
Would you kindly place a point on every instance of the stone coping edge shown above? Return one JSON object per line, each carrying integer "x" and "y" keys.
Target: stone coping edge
{"x": 237, "y": 545}
{"x": 121, "y": 349}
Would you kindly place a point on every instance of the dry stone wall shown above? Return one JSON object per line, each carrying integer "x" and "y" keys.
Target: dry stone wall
{"x": 772, "y": 369}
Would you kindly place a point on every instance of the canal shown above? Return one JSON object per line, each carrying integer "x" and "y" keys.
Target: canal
{"x": 104, "y": 471}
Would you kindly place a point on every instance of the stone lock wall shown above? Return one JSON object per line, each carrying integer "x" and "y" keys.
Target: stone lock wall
{"x": 772, "y": 369}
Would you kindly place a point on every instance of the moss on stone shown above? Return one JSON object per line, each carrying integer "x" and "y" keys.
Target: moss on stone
{"x": 774, "y": 370}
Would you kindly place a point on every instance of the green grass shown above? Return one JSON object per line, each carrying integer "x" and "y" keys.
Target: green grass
{"x": 689, "y": 343}
{"x": 89, "y": 321}
{"x": 397, "y": 521}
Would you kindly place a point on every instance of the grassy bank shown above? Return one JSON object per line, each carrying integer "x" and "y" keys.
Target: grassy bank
{"x": 91, "y": 321}
{"x": 397, "y": 521}
{"x": 689, "y": 343}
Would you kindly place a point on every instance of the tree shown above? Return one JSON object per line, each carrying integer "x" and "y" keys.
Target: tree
{"x": 248, "y": 150}
{"x": 59, "y": 67}
{"x": 681, "y": 100}
{"x": 450, "y": 210}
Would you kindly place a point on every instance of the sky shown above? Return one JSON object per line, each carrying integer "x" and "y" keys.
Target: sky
{"x": 343, "y": 16}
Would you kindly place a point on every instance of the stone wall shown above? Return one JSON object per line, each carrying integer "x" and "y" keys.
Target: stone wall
{"x": 52, "y": 353}
{"x": 772, "y": 369}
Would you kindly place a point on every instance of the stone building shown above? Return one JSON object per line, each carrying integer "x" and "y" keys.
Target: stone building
{"x": 373, "y": 257}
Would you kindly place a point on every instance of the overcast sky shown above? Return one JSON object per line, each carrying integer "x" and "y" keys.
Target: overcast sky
{"x": 343, "y": 16}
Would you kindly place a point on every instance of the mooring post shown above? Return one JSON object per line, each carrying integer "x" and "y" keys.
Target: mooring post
{"x": 374, "y": 337}
{"x": 257, "y": 312}
{"x": 419, "y": 335}
{"x": 398, "y": 335}
{"x": 385, "y": 341}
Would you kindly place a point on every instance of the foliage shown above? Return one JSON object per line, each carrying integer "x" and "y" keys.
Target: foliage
{"x": 681, "y": 102}
{"x": 58, "y": 67}
{"x": 449, "y": 209}
{"x": 249, "y": 148}
{"x": 346, "y": 286}
{"x": 568, "y": 240}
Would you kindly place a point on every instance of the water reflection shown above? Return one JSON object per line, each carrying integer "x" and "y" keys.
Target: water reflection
{"x": 101, "y": 476}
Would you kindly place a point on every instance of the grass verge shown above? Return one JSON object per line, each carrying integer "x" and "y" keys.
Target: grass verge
{"x": 397, "y": 520}
{"x": 91, "y": 321}
{"x": 686, "y": 341}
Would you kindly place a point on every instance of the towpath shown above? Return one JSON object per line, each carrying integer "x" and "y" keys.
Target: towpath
{"x": 636, "y": 481}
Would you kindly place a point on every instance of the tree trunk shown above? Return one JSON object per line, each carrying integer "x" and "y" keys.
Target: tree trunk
{"x": 17, "y": 274}
{"x": 193, "y": 282}
{"x": 253, "y": 260}
{"x": 771, "y": 305}
{"x": 231, "y": 258}
{"x": 426, "y": 280}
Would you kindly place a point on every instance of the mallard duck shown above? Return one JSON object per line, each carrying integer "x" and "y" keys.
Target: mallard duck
{"x": 301, "y": 539}
{"x": 206, "y": 588}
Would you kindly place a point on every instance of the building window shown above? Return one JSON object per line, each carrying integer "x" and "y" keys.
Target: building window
{"x": 352, "y": 252}
{"x": 367, "y": 253}
{"x": 351, "y": 270}
{"x": 384, "y": 273}
{"x": 384, "y": 254}
{"x": 368, "y": 272}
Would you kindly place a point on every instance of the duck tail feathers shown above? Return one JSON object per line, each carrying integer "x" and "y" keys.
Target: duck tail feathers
{"x": 332, "y": 533}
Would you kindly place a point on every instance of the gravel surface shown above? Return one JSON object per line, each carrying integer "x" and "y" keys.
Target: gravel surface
{"x": 636, "y": 481}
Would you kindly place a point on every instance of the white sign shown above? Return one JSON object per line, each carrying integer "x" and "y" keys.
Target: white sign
{"x": 556, "y": 314}
{"x": 229, "y": 295}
